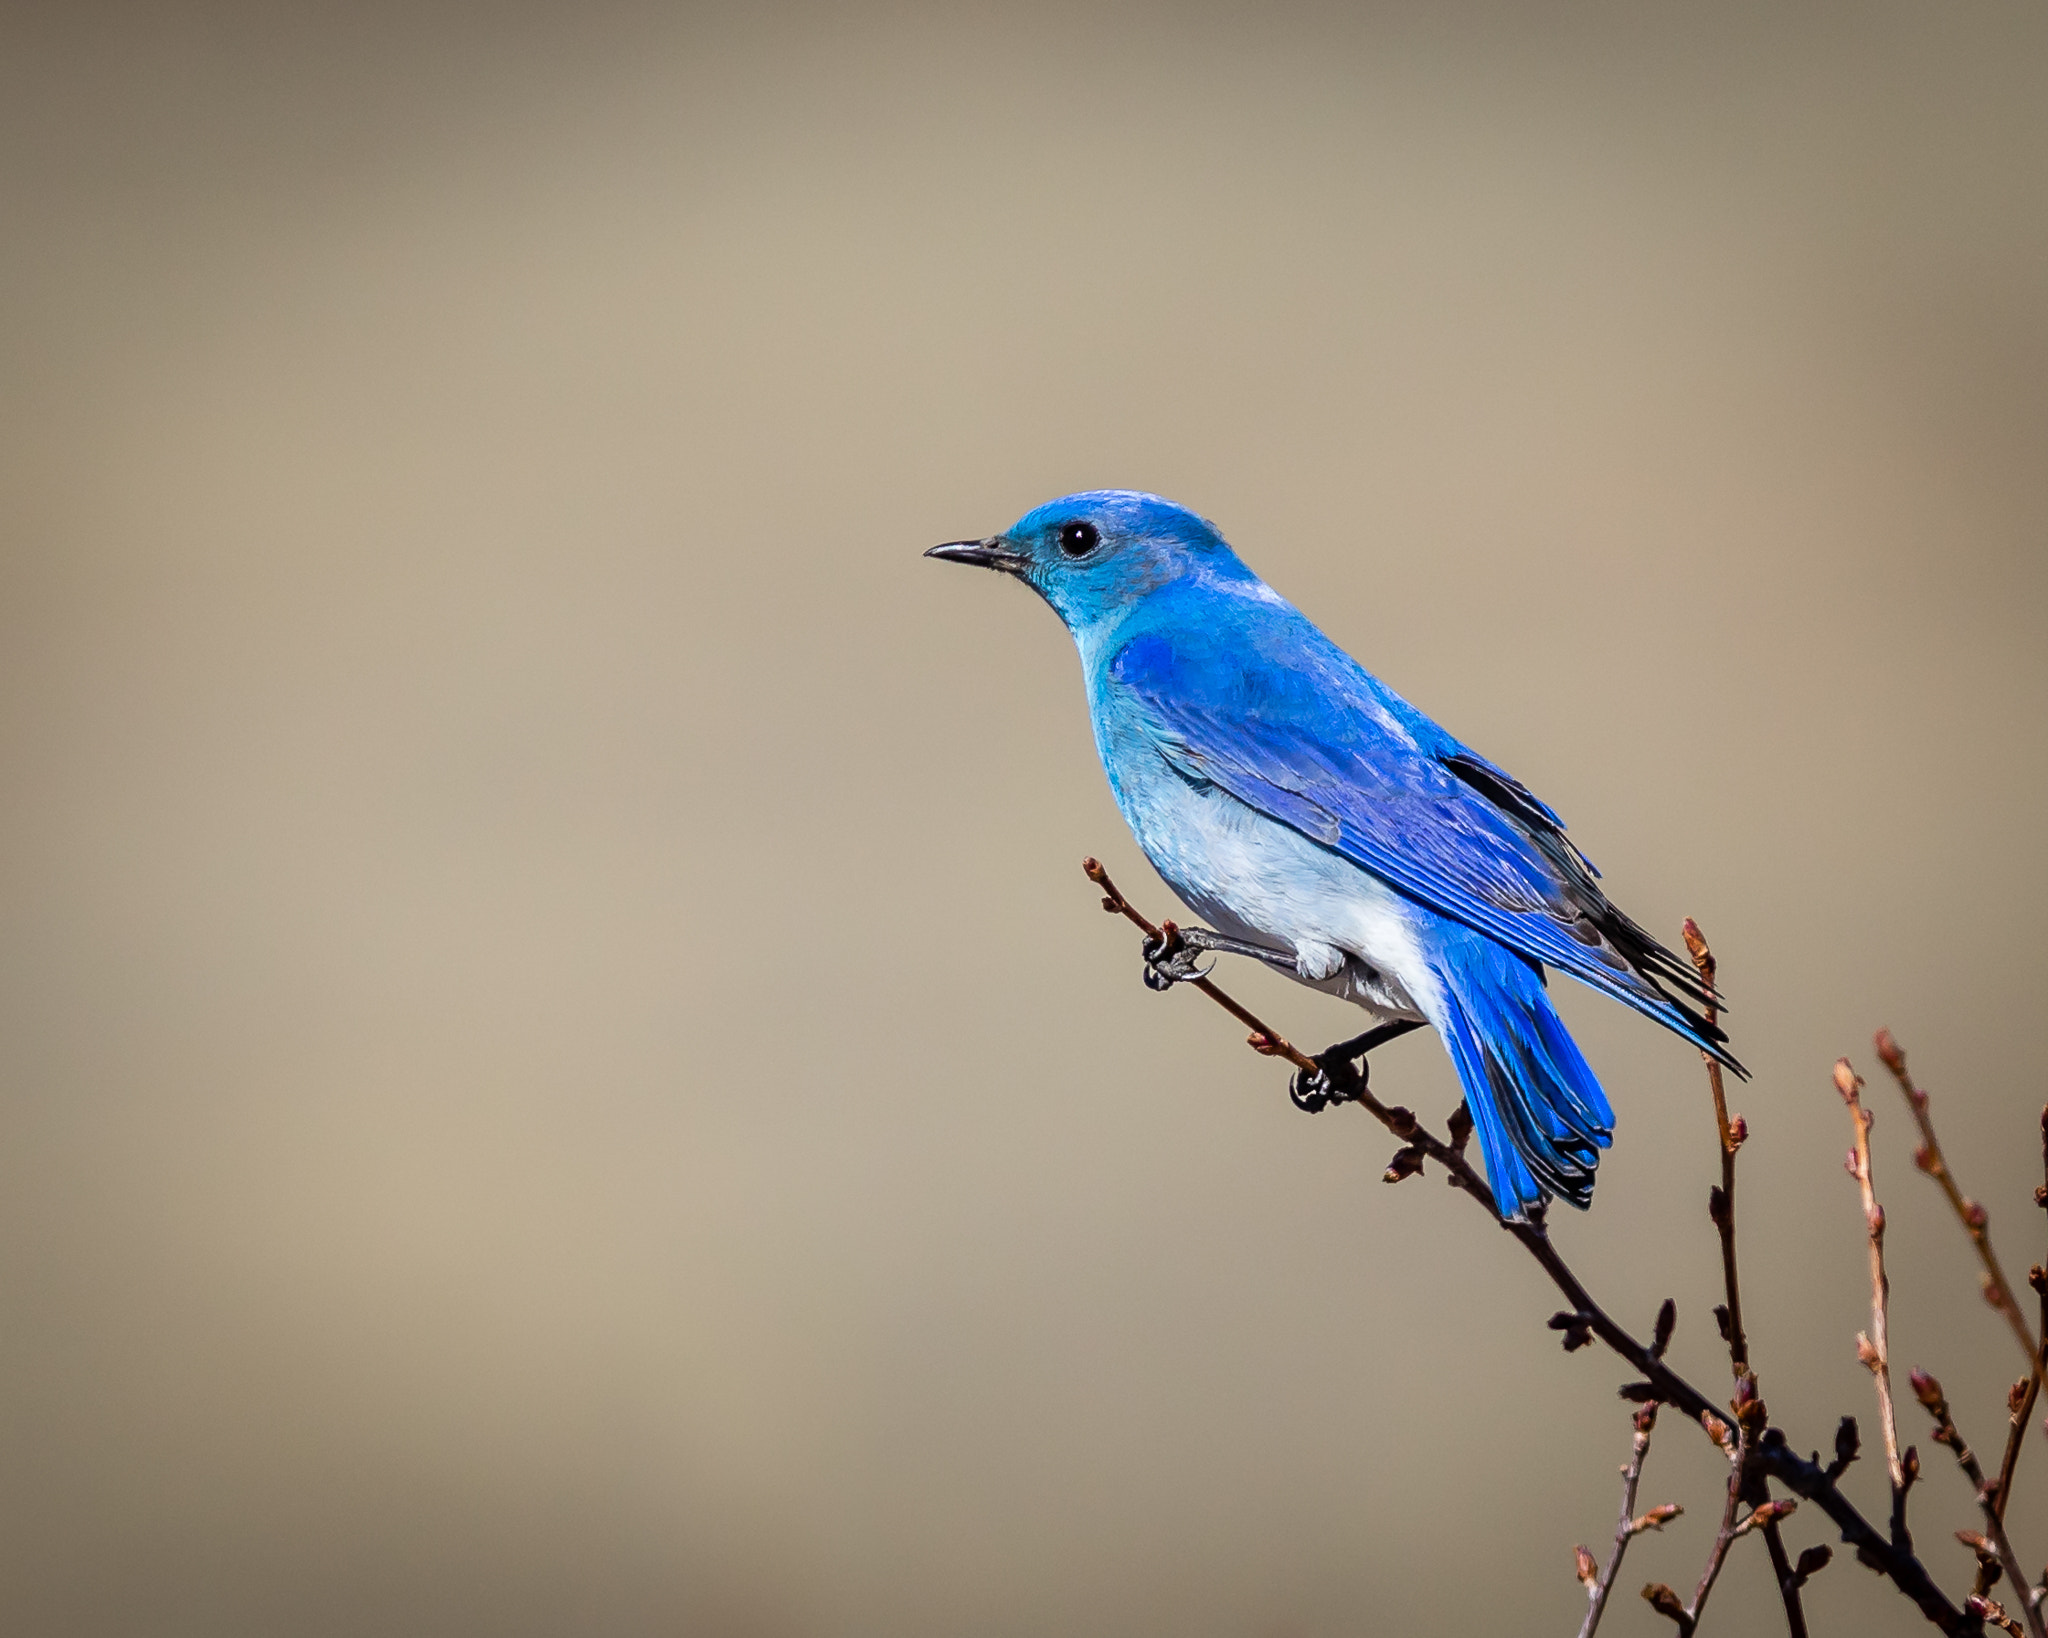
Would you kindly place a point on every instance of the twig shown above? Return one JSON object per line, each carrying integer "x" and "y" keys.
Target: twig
{"x": 2021, "y": 1403}
{"x": 1975, "y": 1220}
{"x": 1874, "y": 1349}
{"x": 1721, "y": 1209}
{"x": 1774, "y": 1456}
{"x": 1721, "y": 1203}
{"x": 1599, "y": 1584}
{"x": 1928, "y": 1391}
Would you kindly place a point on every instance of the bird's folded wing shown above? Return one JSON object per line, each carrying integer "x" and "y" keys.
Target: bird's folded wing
{"x": 1344, "y": 772}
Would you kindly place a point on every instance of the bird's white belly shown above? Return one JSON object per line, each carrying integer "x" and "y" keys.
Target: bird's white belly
{"x": 1255, "y": 878}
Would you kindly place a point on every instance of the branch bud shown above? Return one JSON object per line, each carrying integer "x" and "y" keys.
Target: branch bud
{"x": 1656, "y": 1518}
{"x": 1846, "y": 1080}
{"x": 1577, "y": 1329}
{"x": 1848, "y": 1446}
{"x": 1717, "y": 1207}
{"x": 1888, "y": 1050}
{"x": 1717, "y": 1430}
{"x": 1667, "y": 1321}
{"x": 1867, "y": 1353}
{"x": 1460, "y": 1129}
{"x": 1665, "y": 1602}
{"x": 1926, "y": 1389}
{"x": 1766, "y": 1513}
{"x": 1588, "y": 1571}
{"x": 1976, "y": 1216}
{"x": 1811, "y": 1562}
{"x": 1989, "y": 1609}
{"x": 1738, "y": 1132}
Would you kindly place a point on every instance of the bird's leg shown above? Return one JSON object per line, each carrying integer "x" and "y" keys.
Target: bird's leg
{"x": 1335, "y": 1079}
{"x": 1172, "y": 957}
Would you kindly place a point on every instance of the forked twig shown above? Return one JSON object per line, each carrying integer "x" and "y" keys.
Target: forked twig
{"x": 1975, "y": 1220}
{"x": 1773, "y": 1454}
{"x": 1600, "y": 1582}
{"x": 1928, "y": 1391}
{"x": 1873, "y": 1348}
{"x": 1721, "y": 1209}
{"x": 1721, "y": 1203}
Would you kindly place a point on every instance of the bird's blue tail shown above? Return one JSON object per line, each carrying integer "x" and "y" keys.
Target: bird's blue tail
{"x": 1541, "y": 1117}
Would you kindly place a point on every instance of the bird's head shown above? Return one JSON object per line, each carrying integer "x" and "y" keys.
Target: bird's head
{"x": 1092, "y": 555}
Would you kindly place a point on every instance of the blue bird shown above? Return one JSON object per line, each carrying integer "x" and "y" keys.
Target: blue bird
{"x": 1325, "y": 826}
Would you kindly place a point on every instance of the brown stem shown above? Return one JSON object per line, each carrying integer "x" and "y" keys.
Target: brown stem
{"x": 1775, "y": 1458}
{"x": 1874, "y": 1349}
{"x": 1928, "y": 1391}
{"x": 1721, "y": 1206}
{"x": 1598, "y": 1587}
{"x": 1975, "y": 1220}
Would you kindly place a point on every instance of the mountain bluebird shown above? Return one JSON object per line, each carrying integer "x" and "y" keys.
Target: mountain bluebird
{"x": 1324, "y": 825}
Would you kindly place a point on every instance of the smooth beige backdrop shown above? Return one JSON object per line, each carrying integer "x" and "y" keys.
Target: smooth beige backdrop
{"x": 557, "y": 1072}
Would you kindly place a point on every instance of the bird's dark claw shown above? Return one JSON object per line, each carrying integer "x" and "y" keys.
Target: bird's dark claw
{"x": 1171, "y": 960}
{"x": 1311, "y": 1091}
{"x": 1337, "y": 1078}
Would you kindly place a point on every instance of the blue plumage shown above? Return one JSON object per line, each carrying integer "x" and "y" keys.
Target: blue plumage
{"x": 1306, "y": 809}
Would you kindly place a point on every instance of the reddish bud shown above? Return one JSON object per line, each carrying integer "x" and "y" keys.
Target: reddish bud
{"x": 1888, "y": 1050}
{"x": 1866, "y": 1352}
{"x": 1656, "y": 1518}
{"x": 1923, "y": 1157}
{"x": 1771, "y": 1511}
{"x": 1738, "y": 1132}
{"x": 2037, "y": 1277}
{"x": 1664, "y": 1601}
{"x": 1588, "y": 1571}
{"x": 2016, "y": 1397}
{"x": 1926, "y": 1389}
{"x": 1846, "y": 1082}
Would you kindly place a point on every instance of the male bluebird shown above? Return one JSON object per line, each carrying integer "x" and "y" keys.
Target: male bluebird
{"x": 1327, "y": 827}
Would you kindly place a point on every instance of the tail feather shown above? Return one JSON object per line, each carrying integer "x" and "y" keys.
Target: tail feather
{"x": 1541, "y": 1117}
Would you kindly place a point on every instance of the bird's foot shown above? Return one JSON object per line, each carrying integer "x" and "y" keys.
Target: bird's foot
{"x": 1174, "y": 957}
{"x": 1314, "y": 1090}
{"x": 1344, "y": 1070}
{"x": 1170, "y": 958}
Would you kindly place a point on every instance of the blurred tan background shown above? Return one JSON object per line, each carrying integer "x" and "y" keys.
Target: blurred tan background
{"x": 559, "y": 1073}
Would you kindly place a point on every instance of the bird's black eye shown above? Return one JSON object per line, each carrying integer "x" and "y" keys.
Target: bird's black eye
{"x": 1079, "y": 539}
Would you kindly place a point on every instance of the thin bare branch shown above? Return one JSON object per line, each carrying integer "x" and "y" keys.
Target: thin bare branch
{"x": 1600, "y": 1584}
{"x": 1732, "y": 1133}
{"x": 1975, "y": 1220}
{"x": 1874, "y": 1348}
{"x": 1721, "y": 1203}
{"x": 1928, "y": 1391}
{"x": 1774, "y": 1456}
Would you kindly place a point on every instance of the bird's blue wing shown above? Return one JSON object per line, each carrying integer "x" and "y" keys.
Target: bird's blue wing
{"x": 1307, "y": 738}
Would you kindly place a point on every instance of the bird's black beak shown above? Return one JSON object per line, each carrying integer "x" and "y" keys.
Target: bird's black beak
{"x": 992, "y": 553}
